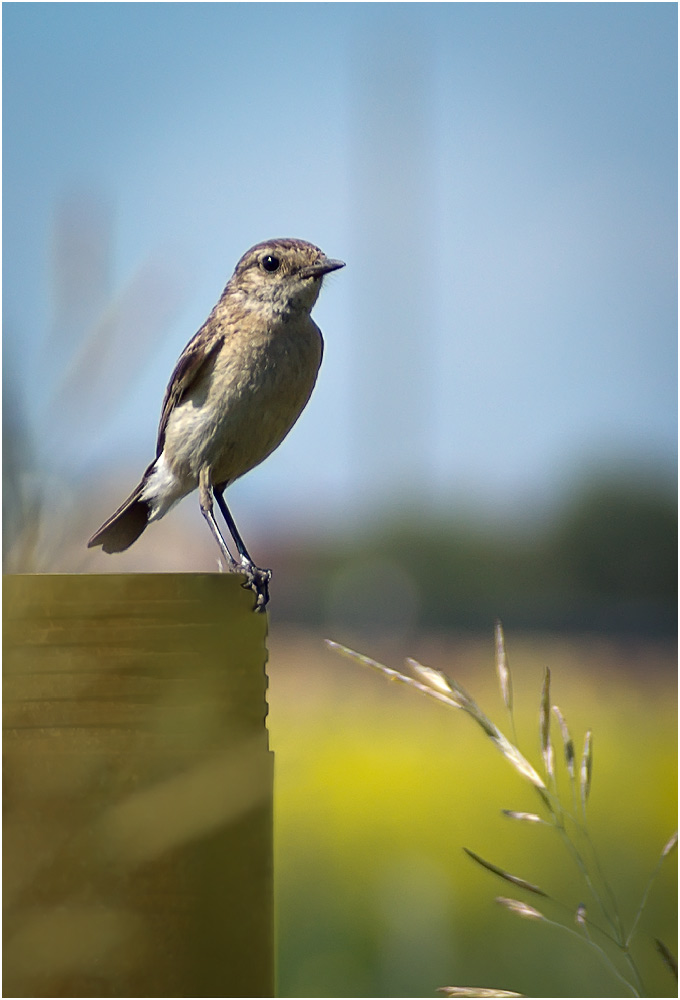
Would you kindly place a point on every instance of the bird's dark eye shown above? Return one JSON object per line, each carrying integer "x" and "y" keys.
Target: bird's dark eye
{"x": 270, "y": 263}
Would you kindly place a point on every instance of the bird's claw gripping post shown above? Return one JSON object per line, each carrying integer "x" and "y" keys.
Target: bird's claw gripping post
{"x": 257, "y": 580}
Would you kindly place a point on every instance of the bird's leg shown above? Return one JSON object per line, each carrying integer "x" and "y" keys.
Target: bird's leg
{"x": 258, "y": 579}
{"x": 206, "y": 502}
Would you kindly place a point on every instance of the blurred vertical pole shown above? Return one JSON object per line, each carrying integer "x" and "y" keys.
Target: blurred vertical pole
{"x": 393, "y": 236}
{"x": 82, "y": 251}
{"x": 138, "y": 788}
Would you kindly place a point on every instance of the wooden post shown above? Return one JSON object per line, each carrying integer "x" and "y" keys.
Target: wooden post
{"x": 138, "y": 788}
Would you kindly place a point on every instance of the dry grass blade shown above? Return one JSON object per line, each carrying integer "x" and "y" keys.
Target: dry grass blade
{"x": 668, "y": 956}
{"x": 475, "y": 991}
{"x": 523, "y": 817}
{"x": 520, "y": 908}
{"x": 504, "y": 677}
{"x": 546, "y": 745}
{"x": 506, "y": 876}
{"x": 586, "y": 768}
{"x": 569, "y": 753}
{"x": 394, "y": 675}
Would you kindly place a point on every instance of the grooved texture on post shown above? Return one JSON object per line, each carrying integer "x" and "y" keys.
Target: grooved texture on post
{"x": 138, "y": 788}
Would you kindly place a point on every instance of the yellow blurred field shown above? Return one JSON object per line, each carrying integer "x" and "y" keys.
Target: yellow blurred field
{"x": 378, "y": 789}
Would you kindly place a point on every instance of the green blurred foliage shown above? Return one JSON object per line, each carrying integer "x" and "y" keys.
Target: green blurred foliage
{"x": 605, "y": 562}
{"x": 378, "y": 791}
{"x": 619, "y": 540}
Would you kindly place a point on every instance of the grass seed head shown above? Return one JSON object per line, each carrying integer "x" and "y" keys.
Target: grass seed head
{"x": 671, "y": 845}
{"x": 544, "y": 715}
{"x": 521, "y": 883}
{"x": 586, "y": 768}
{"x": 569, "y": 753}
{"x": 475, "y": 991}
{"x": 668, "y": 956}
{"x": 433, "y": 678}
{"x": 520, "y": 908}
{"x": 502, "y": 668}
{"x": 523, "y": 817}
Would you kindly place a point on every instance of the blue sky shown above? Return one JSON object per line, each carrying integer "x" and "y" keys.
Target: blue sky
{"x": 500, "y": 179}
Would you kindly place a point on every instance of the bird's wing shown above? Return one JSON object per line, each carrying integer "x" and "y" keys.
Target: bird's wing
{"x": 200, "y": 350}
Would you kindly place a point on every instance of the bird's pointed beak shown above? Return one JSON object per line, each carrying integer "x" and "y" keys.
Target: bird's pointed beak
{"x": 322, "y": 267}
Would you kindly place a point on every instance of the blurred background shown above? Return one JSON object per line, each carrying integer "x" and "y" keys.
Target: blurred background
{"x": 494, "y": 428}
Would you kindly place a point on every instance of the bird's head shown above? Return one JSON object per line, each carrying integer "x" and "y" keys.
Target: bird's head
{"x": 282, "y": 275}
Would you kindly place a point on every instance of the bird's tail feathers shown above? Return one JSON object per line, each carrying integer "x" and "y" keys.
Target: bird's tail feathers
{"x": 126, "y": 525}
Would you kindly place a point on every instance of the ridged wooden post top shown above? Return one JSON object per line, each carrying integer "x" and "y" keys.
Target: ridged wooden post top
{"x": 137, "y": 833}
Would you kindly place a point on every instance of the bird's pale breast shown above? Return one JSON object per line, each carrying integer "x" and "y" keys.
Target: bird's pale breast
{"x": 240, "y": 410}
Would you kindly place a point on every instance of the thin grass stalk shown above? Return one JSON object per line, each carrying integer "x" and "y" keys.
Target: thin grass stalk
{"x": 635, "y": 989}
{"x": 612, "y": 920}
{"x": 611, "y": 916}
{"x": 617, "y": 925}
{"x": 670, "y": 846}
{"x": 552, "y": 802}
{"x": 585, "y": 924}
{"x": 616, "y": 937}
{"x": 585, "y": 781}
{"x": 523, "y": 910}
{"x": 558, "y": 815}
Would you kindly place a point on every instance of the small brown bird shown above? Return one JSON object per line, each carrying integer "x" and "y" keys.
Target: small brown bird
{"x": 237, "y": 389}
